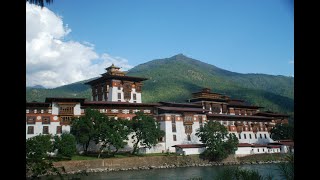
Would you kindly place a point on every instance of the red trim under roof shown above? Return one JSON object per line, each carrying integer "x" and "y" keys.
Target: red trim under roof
{"x": 190, "y": 145}
{"x": 239, "y": 117}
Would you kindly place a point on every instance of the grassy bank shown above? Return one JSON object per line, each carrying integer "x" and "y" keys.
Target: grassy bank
{"x": 93, "y": 156}
{"x": 263, "y": 157}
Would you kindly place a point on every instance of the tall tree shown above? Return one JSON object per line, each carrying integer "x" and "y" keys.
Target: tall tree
{"x": 83, "y": 128}
{"x": 39, "y": 2}
{"x": 37, "y": 160}
{"x": 282, "y": 131}
{"x": 65, "y": 144}
{"x": 146, "y": 131}
{"x": 218, "y": 142}
{"x": 111, "y": 133}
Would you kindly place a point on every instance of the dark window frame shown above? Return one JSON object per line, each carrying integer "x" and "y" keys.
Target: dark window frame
{"x": 59, "y": 130}
{"x": 30, "y": 130}
{"x": 174, "y": 137}
{"x": 29, "y": 121}
{"x": 45, "y": 130}
{"x": 45, "y": 119}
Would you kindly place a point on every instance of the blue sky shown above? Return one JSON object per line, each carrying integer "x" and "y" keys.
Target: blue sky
{"x": 245, "y": 36}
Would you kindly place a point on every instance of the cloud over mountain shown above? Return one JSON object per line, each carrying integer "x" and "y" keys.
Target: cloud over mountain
{"x": 52, "y": 61}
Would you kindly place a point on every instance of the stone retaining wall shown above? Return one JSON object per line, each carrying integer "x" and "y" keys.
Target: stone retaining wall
{"x": 137, "y": 163}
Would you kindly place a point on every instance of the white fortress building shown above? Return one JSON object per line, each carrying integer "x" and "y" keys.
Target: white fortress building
{"x": 119, "y": 96}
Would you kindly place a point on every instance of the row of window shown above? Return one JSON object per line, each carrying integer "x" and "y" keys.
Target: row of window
{"x": 250, "y": 137}
{"x": 125, "y": 111}
{"x": 66, "y": 110}
{"x": 175, "y": 138}
{"x": 134, "y": 97}
{"x": 32, "y": 119}
{"x": 269, "y": 150}
{"x": 35, "y": 111}
{"x": 45, "y": 130}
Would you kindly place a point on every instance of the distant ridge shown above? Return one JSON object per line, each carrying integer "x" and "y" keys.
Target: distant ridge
{"x": 175, "y": 78}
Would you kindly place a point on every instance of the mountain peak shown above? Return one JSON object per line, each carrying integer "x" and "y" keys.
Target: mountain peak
{"x": 179, "y": 56}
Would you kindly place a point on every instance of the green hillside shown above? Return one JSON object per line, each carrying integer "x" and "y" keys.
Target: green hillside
{"x": 175, "y": 78}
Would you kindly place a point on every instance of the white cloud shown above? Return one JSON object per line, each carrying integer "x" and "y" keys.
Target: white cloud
{"x": 53, "y": 62}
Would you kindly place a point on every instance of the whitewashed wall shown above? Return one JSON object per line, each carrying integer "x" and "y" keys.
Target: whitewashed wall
{"x": 55, "y": 108}
{"x": 77, "y": 109}
{"x": 254, "y": 140}
{"x": 190, "y": 151}
{"x": 38, "y": 128}
{"x": 243, "y": 151}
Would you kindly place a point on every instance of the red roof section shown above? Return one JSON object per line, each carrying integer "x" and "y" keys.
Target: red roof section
{"x": 239, "y": 117}
{"x": 190, "y": 145}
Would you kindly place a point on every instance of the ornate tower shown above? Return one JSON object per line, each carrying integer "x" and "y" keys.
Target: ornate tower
{"x": 115, "y": 86}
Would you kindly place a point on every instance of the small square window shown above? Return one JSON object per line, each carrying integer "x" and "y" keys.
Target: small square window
{"x": 31, "y": 120}
{"x": 59, "y": 129}
{"x": 45, "y": 120}
{"x": 189, "y": 138}
{"x": 45, "y": 130}
{"x": 30, "y": 130}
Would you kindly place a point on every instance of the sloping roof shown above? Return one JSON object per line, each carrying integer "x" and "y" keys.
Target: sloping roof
{"x": 185, "y": 109}
{"x": 251, "y": 145}
{"x": 273, "y": 146}
{"x": 287, "y": 143}
{"x": 190, "y": 145}
{"x": 174, "y": 104}
{"x": 128, "y": 78}
{"x": 37, "y": 104}
{"x": 270, "y": 114}
{"x": 241, "y": 103}
{"x": 108, "y": 103}
{"x": 63, "y": 99}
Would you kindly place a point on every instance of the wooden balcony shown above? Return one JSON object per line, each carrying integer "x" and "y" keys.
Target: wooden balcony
{"x": 187, "y": 122}
{"x": 238, "y": 123}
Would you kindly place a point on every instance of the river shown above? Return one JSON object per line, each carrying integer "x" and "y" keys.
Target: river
{"x": 182, "y": 173}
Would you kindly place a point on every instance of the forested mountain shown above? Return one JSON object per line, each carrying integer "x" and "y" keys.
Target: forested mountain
{"x": 175, "y": 78}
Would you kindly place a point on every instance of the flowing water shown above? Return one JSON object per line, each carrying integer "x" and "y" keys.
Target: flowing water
{"x": 182, "y": 173}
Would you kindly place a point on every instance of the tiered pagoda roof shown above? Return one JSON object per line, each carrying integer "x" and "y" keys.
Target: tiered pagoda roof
{"x": 114, "y": 72}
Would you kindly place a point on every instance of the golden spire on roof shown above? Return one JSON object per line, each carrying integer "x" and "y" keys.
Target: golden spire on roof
{"x": 114, "y": 70}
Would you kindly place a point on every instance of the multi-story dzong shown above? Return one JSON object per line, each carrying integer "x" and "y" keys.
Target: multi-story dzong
{"x": 119, "y": 96}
